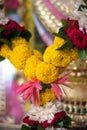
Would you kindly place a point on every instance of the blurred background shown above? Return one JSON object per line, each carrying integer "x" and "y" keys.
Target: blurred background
{"x": 42, "y": 21}
{"x": 12, "y": 108}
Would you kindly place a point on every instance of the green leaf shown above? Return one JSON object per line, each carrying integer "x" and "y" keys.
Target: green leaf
{"x": 85, "y": 1}
{"x": 62, "y": 33}
{"x": 64, "y": 122}
{"x": 39, "y": 127}
{"x": 64, "y": 23}
{"x": 5, "y": 41}
{"x": 67, "y": 45}
{"x": 2, "y": 29}
{"x": 67, "y": 122}
{"x": 29, "y": 127}
{"x": 14, "y": 33}
{"x": 67, "y": 118}
{"x": 59, "y": 124}
{"x": 82, "y": 54}
{"x": 26, "y": 34}
{"x": 82, "y": 7}
{"x": 45, "y": 86}
{"x": 24, "y": 127}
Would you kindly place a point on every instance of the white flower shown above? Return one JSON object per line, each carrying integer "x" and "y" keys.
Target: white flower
{"x": 35, "y": 112}
{"x": 42, "y": 114}
{"x": 81, "y": 16}
{"x": 3, "y": 20}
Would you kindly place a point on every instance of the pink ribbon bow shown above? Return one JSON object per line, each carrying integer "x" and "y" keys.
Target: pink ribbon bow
{"x": 31, "y": 90}
{"x": 56, "y": 86}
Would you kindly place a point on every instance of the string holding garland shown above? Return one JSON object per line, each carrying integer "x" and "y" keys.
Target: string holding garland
{"x": 42, "y": 70}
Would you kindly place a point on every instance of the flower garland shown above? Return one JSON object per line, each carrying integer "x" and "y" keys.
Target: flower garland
{"x": 74, "y": 30}
{"x": 43, "y": 71}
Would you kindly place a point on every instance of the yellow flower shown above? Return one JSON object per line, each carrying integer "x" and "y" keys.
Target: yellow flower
{"x": 58, "y": 58}
{"x": 47, "y": 73}
{"x": 58, "y": 42}
{"x": 47, "y": 54}
{"x": 30, "y": 67}
{"x": 37, "y": 54}
{"x": 5, "y": 51}
{"x": 18, "y": 40}
{"x": 19, "y": 56}
{"x": 47, "y": 96}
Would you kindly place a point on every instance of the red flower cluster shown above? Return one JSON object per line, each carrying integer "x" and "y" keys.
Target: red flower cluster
{"x": 28, "y": 121}
{"x": 10, "y": 26}
{"x": 78, "y": 37}
{"x": 45, "y": 124}
{"x": 58, "y": 116}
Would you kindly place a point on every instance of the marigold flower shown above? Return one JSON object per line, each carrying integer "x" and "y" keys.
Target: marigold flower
{"x": 47, "y": 96}
{"x": 30, "y": 67}
{"x": 47, "y": 54}
{"x": 19, "y": 56}
{"x": 58, "y": 42}
{"x": 37, "y": 53}
{"x": 18, "y": 40}
{"x": 58, "y": 58}
{"x": 47, "y": 73}
{"x": 5, "y": 51}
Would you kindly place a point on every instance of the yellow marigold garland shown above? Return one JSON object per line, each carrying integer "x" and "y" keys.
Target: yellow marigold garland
{"x": 30, "y": 67}
{"x": 37, "y": 54}
{"x": 56, "y": 57}
{"x": 19, "y": 55}
{"x": 47, "y": 54}
{"x": 5, "y": 51}
{"x": 17, "y": 41}
{"x": 47, "y": 96}
{"x": 58, "y": 42}
{"x": 47, "y": 73}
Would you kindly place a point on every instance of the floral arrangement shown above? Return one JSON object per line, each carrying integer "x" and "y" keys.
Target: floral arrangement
{"x": 43, "y": 71}
{"x": 74, "y": 30}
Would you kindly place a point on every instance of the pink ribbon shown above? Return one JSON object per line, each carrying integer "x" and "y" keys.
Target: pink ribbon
{"x": 31, "y": 90}
{"x": 56, "y": 86}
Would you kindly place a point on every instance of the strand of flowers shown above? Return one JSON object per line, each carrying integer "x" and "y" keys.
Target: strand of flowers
{"x": 44, "y": 113}
{"x": 46, "y": 68}
{"x": 46, "y": 116}
{"x": 39, "y": 69}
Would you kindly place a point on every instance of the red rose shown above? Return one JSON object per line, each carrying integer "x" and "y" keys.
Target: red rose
{"x": 28, "y": 121}
{"x": 73, "y": 22}
{"x": 11, "y": 25}
{"x": 45, "y": 124}
{"x": 56, "y": 118}
{"x": 78, "y": 38}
